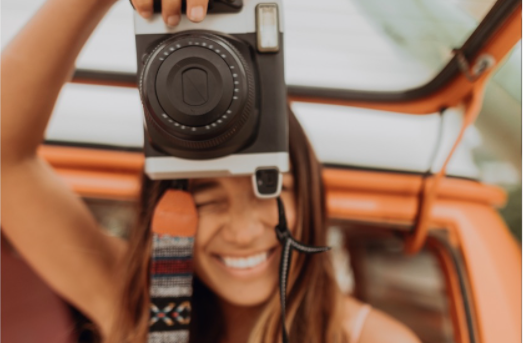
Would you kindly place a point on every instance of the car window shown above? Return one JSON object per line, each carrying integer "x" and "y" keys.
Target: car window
{"x": 372, "y": 45}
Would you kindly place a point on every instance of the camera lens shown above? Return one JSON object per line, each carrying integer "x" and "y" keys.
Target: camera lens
{"x": 198, "y": 96}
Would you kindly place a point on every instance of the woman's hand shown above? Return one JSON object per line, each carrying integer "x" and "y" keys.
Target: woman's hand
{"x": 171, "y": 10}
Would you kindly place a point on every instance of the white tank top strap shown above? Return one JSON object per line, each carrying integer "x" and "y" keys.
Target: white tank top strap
{"x": 359, "y": 322}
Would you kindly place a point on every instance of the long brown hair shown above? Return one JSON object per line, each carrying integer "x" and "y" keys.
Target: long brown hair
{"x": 314, "y": 312}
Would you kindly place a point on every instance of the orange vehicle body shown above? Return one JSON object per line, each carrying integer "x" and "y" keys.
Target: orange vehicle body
{"x": 489, "y": 256}
{"x": 480, "y": 260}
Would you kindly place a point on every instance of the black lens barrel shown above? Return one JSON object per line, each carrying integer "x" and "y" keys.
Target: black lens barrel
{"x": 198, "y": 92}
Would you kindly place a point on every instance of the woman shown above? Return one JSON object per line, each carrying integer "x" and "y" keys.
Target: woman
{"x": 105, "y": 277}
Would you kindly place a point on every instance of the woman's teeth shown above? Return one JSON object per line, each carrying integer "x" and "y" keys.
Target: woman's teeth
{"x": 245, "y": 262}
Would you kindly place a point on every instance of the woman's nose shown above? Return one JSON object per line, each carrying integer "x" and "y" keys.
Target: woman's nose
{"x": 248, "y": 223}
{"x": 243, "y": 228}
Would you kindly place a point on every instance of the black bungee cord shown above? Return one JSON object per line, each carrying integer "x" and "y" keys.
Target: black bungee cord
{"x": 289, "y": 244}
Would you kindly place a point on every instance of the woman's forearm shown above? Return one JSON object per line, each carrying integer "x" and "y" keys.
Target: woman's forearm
{"x": 35, "y": 65}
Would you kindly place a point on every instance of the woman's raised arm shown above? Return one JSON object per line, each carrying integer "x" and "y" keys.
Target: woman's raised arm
{"x": 36, "y": 64}
{"x": 43, "y": 219}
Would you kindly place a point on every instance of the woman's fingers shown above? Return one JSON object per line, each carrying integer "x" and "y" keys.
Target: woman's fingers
{"x": 143, "y": 7}
{"x": 196, "y": 9}
{"x": 171, "y": 11}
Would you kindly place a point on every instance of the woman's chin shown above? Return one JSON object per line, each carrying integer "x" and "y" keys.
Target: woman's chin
{"x": 246, "y": 298}
{"x": 243, "y": 292}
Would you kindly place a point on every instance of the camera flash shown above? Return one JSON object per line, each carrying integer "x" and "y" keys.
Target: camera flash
{"x": 267, "y": 27}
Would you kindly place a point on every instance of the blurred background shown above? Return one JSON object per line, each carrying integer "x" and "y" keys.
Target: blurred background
{"x": 370, "y": 45}
{"x": 383, "y": 46}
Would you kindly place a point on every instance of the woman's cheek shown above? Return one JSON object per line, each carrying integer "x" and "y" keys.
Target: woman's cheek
{"x": 209, "y": 223}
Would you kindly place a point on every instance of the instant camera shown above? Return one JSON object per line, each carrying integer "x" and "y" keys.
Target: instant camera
{"x": 214, "y": 95}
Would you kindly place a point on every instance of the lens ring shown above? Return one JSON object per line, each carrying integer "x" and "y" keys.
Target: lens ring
{"x": 224, "y": 125}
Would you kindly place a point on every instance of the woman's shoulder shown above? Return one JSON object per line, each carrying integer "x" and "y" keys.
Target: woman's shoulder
{"x": 370, "y": 325}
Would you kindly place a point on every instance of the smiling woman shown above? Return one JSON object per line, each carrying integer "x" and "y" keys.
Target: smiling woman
{"x": 236, "y": 259}
{"x": 236, "y": 256}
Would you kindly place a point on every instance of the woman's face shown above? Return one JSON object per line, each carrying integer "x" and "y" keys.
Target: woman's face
{"x": 236, "y": 253}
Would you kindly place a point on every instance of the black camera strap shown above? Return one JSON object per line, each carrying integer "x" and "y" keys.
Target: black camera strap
{"x": 289, "y": 244}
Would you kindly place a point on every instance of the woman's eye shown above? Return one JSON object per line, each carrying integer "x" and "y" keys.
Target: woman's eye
{"x": 211, "y": 205}
{"x": 203, "y": 204}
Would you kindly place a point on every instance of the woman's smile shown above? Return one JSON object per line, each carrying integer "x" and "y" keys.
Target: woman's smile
{"x": 245, "y": 265}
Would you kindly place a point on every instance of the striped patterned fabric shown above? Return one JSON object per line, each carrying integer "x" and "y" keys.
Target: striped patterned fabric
{"x": 171, "y": 289}
{"x": 171, "y": 272}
